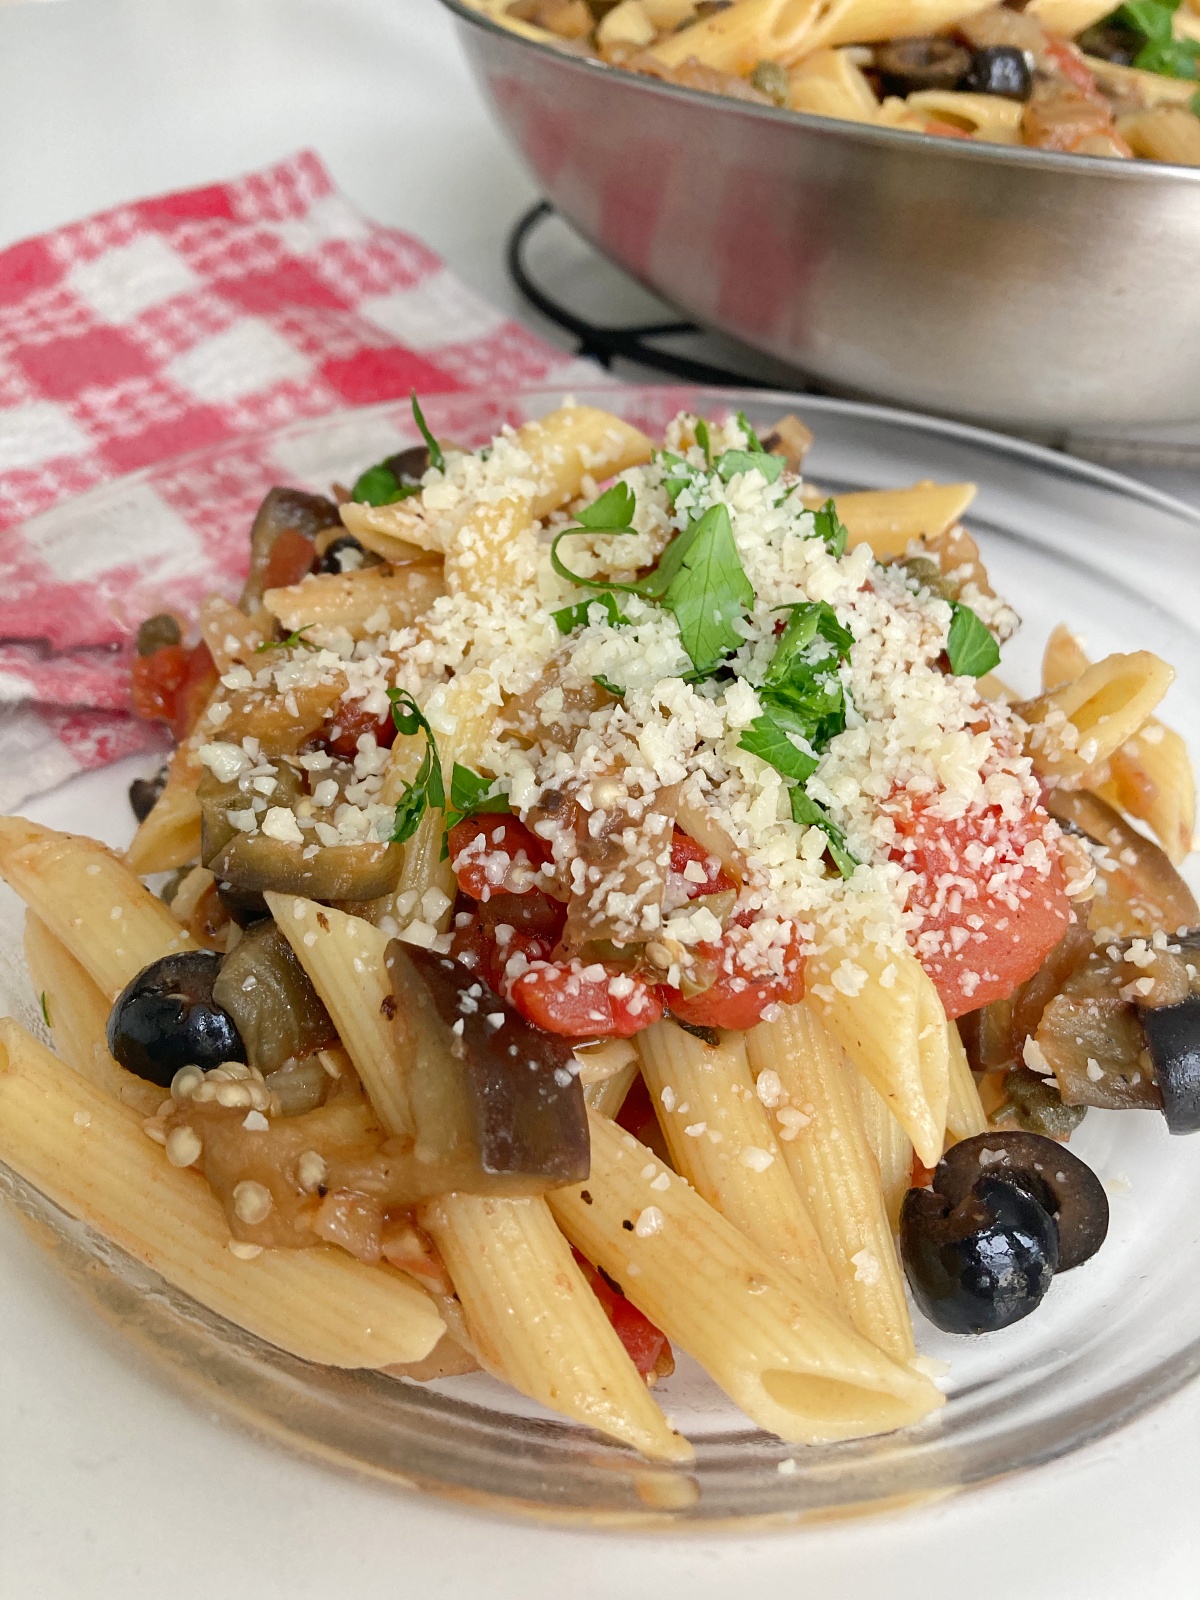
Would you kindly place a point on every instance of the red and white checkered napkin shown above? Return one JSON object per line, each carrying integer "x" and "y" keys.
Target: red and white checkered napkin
{"x": 168, "y": 326}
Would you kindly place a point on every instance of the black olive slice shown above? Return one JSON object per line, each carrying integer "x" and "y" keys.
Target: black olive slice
{"x": 1000, "y": 69}
{"x": 1062, "y": 1184}
{"x": 1111, "y": 40}
{"x": 1173, "y": 1040}
{"x": 166, "y": 1019}
{"x": 330, "y": 559}
{"x": 409, "y": 466}
{"x": 144, "y": 793}
{"x": 157, "y": 633}
{"x": 980, "y": 1264}
{"x": 908, "y": 65}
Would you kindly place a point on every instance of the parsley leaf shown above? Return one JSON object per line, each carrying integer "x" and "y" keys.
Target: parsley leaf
{"x": 292, "y": 642}
{"x": 436, "y": 458}
{"x": 970, "y": 646}
{"x": 680, "y": 473}
{"x": 809, "y": 620}
{"x": 611, "y": 512}
{"x": 806, "y": 811}
{"x": 830, "y": 527}
{"x": 1162, "y": 52}
{"x": 752, "y": 440}
{"x": 707, "y": 588}
{"x": 469, "y": 796}
{"x": 614, "y": 689}
{"x": 577, "y": 616}
{"x": 427, "y": 787}
{"x": 732, "y": 461}
{"x": 766, "y": 739}
{"x": 379, "y": 486}
{"x": 703, "y": 440}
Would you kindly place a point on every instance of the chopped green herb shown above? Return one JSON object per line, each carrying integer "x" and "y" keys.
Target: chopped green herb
{"x": 578, "y": 616}
{"x": 733, "y": 461}
{"x": 469, "y": 796}
{"x": 801, "y": 688}
{"x": 1161, "y": 52}
{"x": 614, "y": 689}
{"x": 766, "y": 739}
{"x": 971, "y": 648}
{"x": 752, "y": 440}
{"x": 1194, "y": 104}
{"x": 806, "y": 811}
{"x": 427, "y": 788}
{"x": 809, "y": 620}
{"x": 46, "y": 1010}
{"x": 611, "y": 512}
{"x": 703, "y": 440}
{"x": 830, "y": 528}
{"x": 436, "y": 458}
{"x": 379, "y": 486}
{"x": 680, "y": 474}
{"x": 707, "y": 588}
{"x": 292, "y": 642}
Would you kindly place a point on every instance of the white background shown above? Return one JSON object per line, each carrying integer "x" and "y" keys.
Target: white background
{"x": 111, "y": 1488}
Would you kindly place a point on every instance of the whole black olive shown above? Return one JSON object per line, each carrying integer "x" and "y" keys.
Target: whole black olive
{"x": 166, "y": 1019}
{"x": 1173, "y": 1040}
{"x": 330, "y": 559}
{"x": 156, "y": 633}
{"x": 1001, "y": 70}
{"x": 981, "y": 1264}
{"x": 1061, "y": 1184}
{"x": 907, "y": 65}
{"x": 1111, "y": 40}
{"x": 144, "y": 793}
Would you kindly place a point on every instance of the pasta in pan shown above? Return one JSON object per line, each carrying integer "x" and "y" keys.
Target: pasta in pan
{"x": 610, "y": 910}
{"x": 1068, "y": 75}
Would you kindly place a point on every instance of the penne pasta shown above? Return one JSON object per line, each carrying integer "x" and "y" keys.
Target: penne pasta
{"x": 1082, "y": 723}
{"x": 884, "y": 1012}
{"x": 890, "y": 519}
{"x": 343, "y": 955}
{"x": 371, "y": 601}
{"x": 170, "y": 835}
{"x": 890, "y": 1145}
{"x": 986, "y": 116}
{"x": 1150, "y": 776}
{"x": 799, "y": 1069}
{"x": 721, "y": 1141}
{"x": 77, "y": 1015}
{"x": 1068, "y": 17}
{"x": 104, "y": 915}
{"x": 494, "y": 551}
{"x": 1164, "y": 133}
{"x": 828, "y": 84}
{"x": 865, "y": 21}
{"x": 782, "y": 1356}
{"x": 965, "y": 1116}
{"x": 89, "y": 1155}
{"x": 535, "y": 1323}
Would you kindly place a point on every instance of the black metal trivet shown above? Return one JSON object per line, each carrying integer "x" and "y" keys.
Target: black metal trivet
{"x": 607, "y": 345}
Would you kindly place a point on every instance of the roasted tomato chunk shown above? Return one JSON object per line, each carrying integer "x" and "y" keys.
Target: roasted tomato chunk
{"x": 991, "y": 895}
{"x": 739, "y": 992}
{"x": 646, "y": 1346}
{"x": 173, "y": 685}
{"x": 290, "y": 560}
{"x": 348, "y": 727}
{"x": 494, "y": 854}
{"x": 688, "y": 860}
{"x": 585, "y": 1002}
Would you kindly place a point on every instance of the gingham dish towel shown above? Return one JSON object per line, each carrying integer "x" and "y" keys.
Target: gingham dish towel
{"x": 165, "y": 327}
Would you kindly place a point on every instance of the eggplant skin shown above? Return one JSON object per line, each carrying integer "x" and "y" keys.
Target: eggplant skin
{"x": 494, "y": 1090}
{"x": 1173, "y": 1039}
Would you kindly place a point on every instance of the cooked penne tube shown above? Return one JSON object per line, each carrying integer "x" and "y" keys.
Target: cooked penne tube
{"x": 89, "y": 1155}
{"x": 77, "y": 1016}
{"x": 170, "y": 835}
{"x": 722, "y": 1142}
{"x": 1082, "y": 723}
{"x": 890, "y": 1145}
{"x": 608, "y": 1096}
{"x": 798, "y": 1068}
{"x": 1164, "y": 133}
{"x": 343, "y": 955}
{"x": 890, "y": 519}
{"x": 866, "y": 21}
{"x": 884, "y": 1012}
{"x": 106, "y": 917}
{"x": 965, "y": 1115}
{"x": 1150, "y": 776}
{"x": 1068, "y": 17}
{"x": 370, "y": 601}
{"x": 789, "y": 1362}
{"x": 828, "y": 84}
{"x": 535, "y": 1322}
{"x": 1151, "y": 88}
{"x": 737, "y": 38}
{"x": 985, "y": 116}
{"x": 494, "y": 551}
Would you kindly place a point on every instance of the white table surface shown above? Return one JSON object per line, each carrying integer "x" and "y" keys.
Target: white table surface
{"x": 112, "y": 1488}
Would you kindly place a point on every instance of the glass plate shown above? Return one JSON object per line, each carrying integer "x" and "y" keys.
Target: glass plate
{"x": 1064, "y": 541}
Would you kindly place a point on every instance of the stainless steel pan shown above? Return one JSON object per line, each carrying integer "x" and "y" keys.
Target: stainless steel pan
{"x": 1009, "y": 286}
